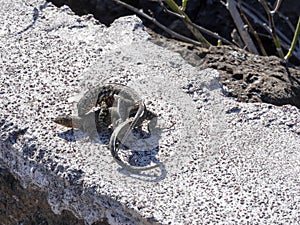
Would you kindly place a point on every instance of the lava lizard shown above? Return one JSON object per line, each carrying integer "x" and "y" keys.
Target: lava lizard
{"x": 118, "y": 105}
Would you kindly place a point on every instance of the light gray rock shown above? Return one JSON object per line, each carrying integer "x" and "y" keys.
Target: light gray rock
{"x": 223, "y": 161}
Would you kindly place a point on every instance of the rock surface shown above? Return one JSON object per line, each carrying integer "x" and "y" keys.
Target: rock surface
{"x": 246, "y": 77}
{"x": 252, "y": 78}
{"x": 210, "y": 14}
{"x": 223, "y": 161}
{"x": 28, "y": 206}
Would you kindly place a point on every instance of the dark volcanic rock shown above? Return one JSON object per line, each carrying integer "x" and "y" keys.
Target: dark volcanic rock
{"x": 247, "y": 77}
{"x": 252, "y": 78}
{"x": 29, "y": 206}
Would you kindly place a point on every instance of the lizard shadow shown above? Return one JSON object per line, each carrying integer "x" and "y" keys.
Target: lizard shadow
{"x": 147, "y": 176}
{"x": 73, "y": 135}
{"x": 140, "y": 150}
{"x": 144, "y": 148}
{"x": 139, "y": 157}
{"x": 143, "y": 144}
{"x": 36, "y": 16}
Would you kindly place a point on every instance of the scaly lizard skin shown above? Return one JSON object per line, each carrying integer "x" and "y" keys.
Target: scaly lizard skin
{"x": 117, "y": 103}
{"x": 114, "y": 143}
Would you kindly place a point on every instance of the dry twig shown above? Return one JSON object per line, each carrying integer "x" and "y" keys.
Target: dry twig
{"x": 202, "y": 29}
{"x": 232, "y": 7}
{"x": 253, "y": 31}
{"x": 169, "y": 31}
{"x": 197, "y": 34}
{"x": 273, "y": 30}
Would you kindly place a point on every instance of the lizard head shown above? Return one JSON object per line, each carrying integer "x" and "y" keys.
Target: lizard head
{"x": 68, "y": 121}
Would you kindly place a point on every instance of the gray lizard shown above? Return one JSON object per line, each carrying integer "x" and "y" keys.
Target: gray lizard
{"x": 113, "y": 106}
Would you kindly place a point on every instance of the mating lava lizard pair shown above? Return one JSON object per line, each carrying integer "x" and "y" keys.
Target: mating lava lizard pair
{"x": 110, "y": 106}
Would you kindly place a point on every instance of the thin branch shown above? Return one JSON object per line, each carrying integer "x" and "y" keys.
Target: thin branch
{"x": 212, "y": 34}
{"x": 197, "y": 34}
{"x": 236, "y": 39}
{"x": 296, "y": 35}
{"x": 253, "y": 31}
{"x": 232, "y": 7}
{"x": 202, "y": 29}
{"x": 169, "y": 31}
{"x": 272, "y": 25}
{"x": 287, "y": 20}
{"x": 276, "y": 7}
{"x": 261, "y": 21}
{"x": 183, "y": 5}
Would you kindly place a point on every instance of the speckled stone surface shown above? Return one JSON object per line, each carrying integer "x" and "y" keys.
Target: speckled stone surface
{"x": 223, "y": 162}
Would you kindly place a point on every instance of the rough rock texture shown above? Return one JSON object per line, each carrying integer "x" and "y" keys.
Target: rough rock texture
{"x": 222, "y": 161}
{"x": 253, "y": 78}
{"x": 210, "y": 14}
{"x": 244, "y": 76}
{"x": 28, "y": 206}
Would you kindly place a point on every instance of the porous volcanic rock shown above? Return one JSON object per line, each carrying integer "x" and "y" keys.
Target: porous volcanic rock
{"x": 252, "y": 78}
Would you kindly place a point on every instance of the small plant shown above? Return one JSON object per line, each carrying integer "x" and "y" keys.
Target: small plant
{"x": 295, "y": 39}
{"x": 179, "y": 11}
{"x": 242, "y": 13}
